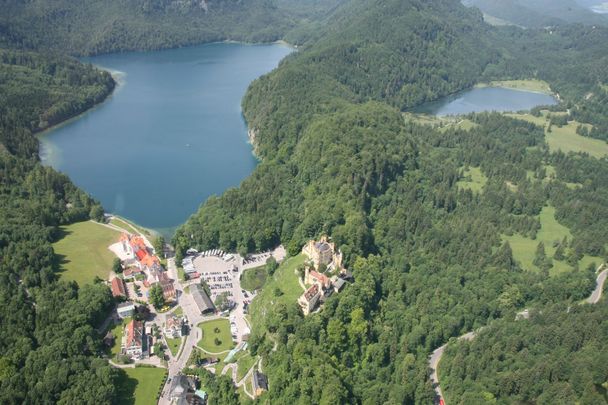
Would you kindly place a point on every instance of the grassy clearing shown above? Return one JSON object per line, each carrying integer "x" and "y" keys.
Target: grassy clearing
{"x": 178, "y": 311}
{"x": 473, "y": 179}
{"x": 282, "y": 288}
{"x": 534, "y": 85}
{"x": 140, "y": 385}
{"x": 243, "y": 365}
{"x": 174, "y": 344}
{"x": 551, "y": 231}
{"x": 254, "y": 279}
{"x": 212, "y": 330}
{"x": 565, "y": 138}
{"x": 83, "y": 252}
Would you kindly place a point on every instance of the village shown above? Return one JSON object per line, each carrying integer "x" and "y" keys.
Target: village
{"x": 195, "y": 314}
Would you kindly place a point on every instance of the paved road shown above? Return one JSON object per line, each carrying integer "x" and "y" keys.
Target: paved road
{"x": 438, "y": 353}
{"x": 599, "y": 287}
{"x": 175, "y": 365}
{"x": 434, "y": 362}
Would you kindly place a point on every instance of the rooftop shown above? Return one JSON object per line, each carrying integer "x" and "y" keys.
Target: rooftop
{"x": 202, "y": 300}
{"x": 118, "y": 287}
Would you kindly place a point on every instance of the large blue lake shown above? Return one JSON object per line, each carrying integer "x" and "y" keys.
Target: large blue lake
{"x": 170, "y": 136}
{"x": 486, "y": 99}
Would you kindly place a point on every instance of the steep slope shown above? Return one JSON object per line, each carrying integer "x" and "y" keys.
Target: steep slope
{"x": 98, "y": 26}
{"x": 538, "y": 13}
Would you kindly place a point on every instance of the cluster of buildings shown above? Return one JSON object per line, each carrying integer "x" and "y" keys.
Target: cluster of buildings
{"x": 324, "y": 259}
{"x": 141, "y": 261}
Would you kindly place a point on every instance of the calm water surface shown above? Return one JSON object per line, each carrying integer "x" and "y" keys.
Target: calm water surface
{"x": 486, "y": 99}
{"x": 170, "y": 136}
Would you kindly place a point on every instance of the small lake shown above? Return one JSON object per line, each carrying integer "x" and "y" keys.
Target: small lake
{"x": 170, "y": 136}
{"x": 486, "y": 99}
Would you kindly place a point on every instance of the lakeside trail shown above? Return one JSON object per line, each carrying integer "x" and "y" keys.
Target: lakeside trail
{"x": 437, "y": 354}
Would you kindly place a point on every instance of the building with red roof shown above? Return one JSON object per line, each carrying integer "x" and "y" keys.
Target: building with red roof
{"x": 118, "y": 288}
{"x": 134, "y": 339}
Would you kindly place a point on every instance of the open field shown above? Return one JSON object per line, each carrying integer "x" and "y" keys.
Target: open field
{"x": 208, "y": 343}
{"x": 83, "y": 252}
{"x": 473, "y": 180}
{"x": 565, "y": 138}
{"x": 254, "y": 279}
{"x": 281, "y": 288}
{"x": 538, "y": 86}
{"x": 551, "y": 231}
{"x": 140, "y": 385}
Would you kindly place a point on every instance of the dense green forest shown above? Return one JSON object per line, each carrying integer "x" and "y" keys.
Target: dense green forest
{"x": 539, "y": 13}
{"x": 49, "y": 348}
{"x": 99, "y": 26}
{"x": 429, "y": 257}
{"x": 555, "y": 357}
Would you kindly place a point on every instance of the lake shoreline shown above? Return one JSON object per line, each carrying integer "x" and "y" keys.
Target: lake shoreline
{"x": 210, "y": 139}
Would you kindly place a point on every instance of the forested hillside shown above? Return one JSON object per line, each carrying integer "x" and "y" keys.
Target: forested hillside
{"x": 48, "y": 345}
{"x": 429, "y": 254}
{"x": 555, "y": 357}
{"x": 98, "y": 26}
{"x": 539, "y": 13}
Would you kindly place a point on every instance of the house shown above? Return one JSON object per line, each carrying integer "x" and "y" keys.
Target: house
{"x": 118, "y": 288}
{"x": 323, "y": 253}
{"x": 131, "y": 272}
{"x": 308, "y": 301}
{"x": 173, "y": 326}
{"x": 125, "y": 309}
{"x": 260, "y": 383}
{"x": 167, "y": 286}
{"x": 134, "y": 344}
{"x": 202, "y": 300}
{"x": 338, "y": 284}
{"x": 314, "y": 277}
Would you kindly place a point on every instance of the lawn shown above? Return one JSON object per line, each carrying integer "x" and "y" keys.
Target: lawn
{"x": 174, "y": 344}
{"x": 117, "y": 331}
{"x": 140, "y": 385}
{"x": 282, "y": 287}
{"x": 538, "y": 86}
{"x": 218, "y": 328}
{"x": 244, "y": 363}
{"x": 524, "y": 249}
{"x": 565, "y": 138}
{"x": 82, "y": 251}
{"x": 254, "y": 279}
{"x": 473, "y": 179}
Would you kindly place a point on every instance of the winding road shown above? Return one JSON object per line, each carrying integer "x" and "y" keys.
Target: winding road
{"x": 435, "y": 357}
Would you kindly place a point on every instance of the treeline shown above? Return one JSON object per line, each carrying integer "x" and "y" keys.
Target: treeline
{"x": 48, "y": 345}
{"x": 38, "y": 91}
{"x": 558, "y": 356}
